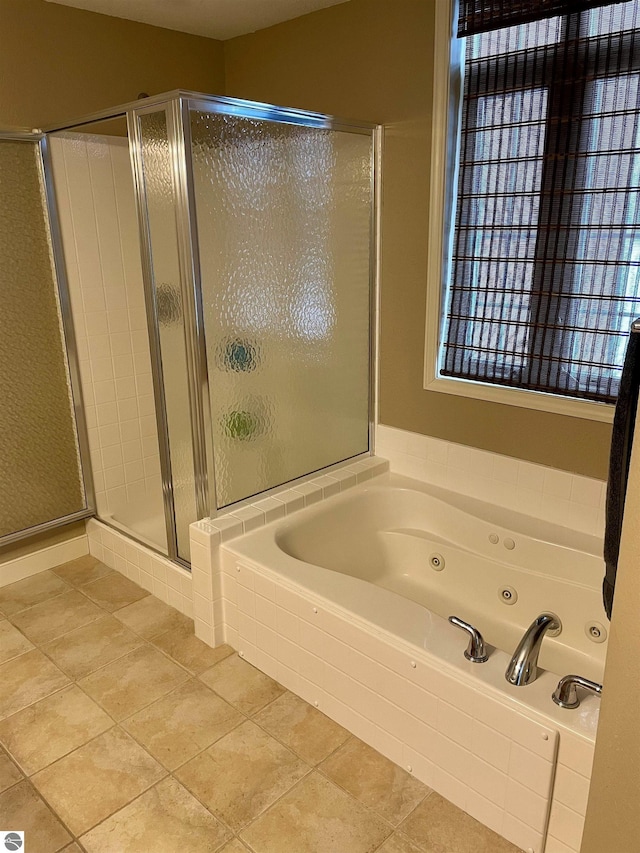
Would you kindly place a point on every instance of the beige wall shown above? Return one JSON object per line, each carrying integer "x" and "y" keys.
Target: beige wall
{"x": 613, "y": 818}
{"x": 57, "y": 62}
{"x": 370, "y": 59}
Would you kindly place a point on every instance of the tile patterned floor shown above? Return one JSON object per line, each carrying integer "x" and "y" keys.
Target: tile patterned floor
{"x": 121, "y": 732}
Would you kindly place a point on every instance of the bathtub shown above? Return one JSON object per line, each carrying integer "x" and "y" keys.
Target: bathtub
{"x": 346, "y": 603}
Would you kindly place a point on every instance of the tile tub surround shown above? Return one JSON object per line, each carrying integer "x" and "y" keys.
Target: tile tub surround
{"x": 221, "y": 758}
{"x": 567, "y": 499}
{"x": 150, "y": 570}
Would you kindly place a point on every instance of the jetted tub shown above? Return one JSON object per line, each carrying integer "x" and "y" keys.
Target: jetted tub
{"x": 346, "y": 603}
{"x": 454, "y": 555}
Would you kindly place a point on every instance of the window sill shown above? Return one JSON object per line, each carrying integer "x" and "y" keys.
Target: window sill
{"x": 568, "y": 406}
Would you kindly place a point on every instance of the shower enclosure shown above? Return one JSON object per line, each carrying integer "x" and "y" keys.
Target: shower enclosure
{"x": 220, "y": 257}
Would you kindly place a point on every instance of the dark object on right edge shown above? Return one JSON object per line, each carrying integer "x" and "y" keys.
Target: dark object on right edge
{"x": 621, "y": 443}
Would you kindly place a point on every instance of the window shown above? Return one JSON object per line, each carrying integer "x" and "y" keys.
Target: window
{"x": 544, "y": 266}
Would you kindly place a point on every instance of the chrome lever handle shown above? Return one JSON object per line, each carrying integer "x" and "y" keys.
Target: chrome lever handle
{"x": 566, "y": 695}
{"x": 476, "y": 651}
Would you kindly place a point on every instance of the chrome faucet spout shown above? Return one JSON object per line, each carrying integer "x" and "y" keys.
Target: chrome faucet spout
{"x": 523, "y": 666}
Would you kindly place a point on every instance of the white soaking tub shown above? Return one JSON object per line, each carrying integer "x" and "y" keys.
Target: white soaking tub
{"x": 346, "y": 603}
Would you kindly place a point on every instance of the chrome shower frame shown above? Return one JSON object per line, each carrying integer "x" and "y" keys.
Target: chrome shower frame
{"x": 177, "y": 105}
{"x": 69, "y": 341}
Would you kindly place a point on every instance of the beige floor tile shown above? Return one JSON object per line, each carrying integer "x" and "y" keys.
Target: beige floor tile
{"x": 241, "y": 774}
{"x": 83, "y": 570}
{"x": 437, "y": 826}
{"x": 235, "y": 846}
{"x": 44, "y": 732}
{"x": 317, "y": 817}
{"x": 86, "y": 649}
{"x": 165, "y": 819}
{"x": 133, "y": 682}
{"x": 72, "y": 848}
{"x": 182, "y": 724}
{"x": 12, "y": 642}
{"x": 242, "y": 684}
{"x": 302, "y": 728}
{"x": 22, "y": 808}
{"x": 30, "y": 591}
{"x": 26, "y": 679}
{"x": 183, "y": 645}
{"x": 114, "y": 591}
{"x": 96, "y": 780}
{"x": 398, "y": 843}
{"x": 9, "y": 773}
{"x": 50, "y": 619}
{"x": 374, "y": 780}
{"x": 150, "y": 617}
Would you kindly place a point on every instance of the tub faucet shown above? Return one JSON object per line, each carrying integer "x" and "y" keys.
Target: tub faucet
{"x": 523, "y": 666}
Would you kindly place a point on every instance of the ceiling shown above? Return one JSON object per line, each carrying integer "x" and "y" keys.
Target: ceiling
{"x": 219, "y": 19}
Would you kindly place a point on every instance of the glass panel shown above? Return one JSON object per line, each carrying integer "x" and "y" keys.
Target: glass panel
{"x": 40, "y": 477}
{"x": 97, "y": 208}
{"x": 161, "y": 211}
{"x": 283, "y": 216}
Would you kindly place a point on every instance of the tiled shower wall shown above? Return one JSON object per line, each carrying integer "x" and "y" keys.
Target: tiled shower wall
{"x": 96, "y": 204}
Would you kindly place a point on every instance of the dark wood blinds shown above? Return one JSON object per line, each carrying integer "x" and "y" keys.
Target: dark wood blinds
{"x": 481, "y": 16}
{"x": 545, "y": 273}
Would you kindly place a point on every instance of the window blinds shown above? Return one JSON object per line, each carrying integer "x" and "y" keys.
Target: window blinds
{"x": 545, "y": 272}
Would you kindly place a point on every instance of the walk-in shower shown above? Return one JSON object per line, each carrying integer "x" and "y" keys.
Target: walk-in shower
{"x": 220, "y": 258}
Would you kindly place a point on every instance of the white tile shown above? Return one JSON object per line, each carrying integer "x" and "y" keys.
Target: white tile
{"x": 530, "y": 476}
{"x": 125, "y": 388}
{"x": 557, "y": 484}
{"x": 204, "y": 631}
{"x": 345, "y": 478}
{"x": 130, "y": 430}
{"x": 265, "y": 611}
{"x": 450, "y": 788}
{"x": 486, "y": 780}
{"x": 104, "y": 392}
{"x": 202, "y": 610}
{"x": 521, "y": 834}
{"x": 419, "y": 766}
{"x": 455, "y": 724}
{"x": 120, "y": 343}
{"x": 328, "y": 484}
{"x": 490, "y": 745}
{"x": 272, "y": 509}
{"x": 246, "y": 601}
{"x": 201, "y": 584}
{"x": 571, "y": 789}
{"x": 227, "y": 527}
{"x": 526, "y": 806}
{"x": 539, "y": 739}
{"x": 292, "y": 499}
{"x": 264, "y": 587}
{"x": 251, "y": 518}
{"x": 505, "y": 469}
{"x": 311, "y": 493}
{"x": 530, "y": 770}
{"x": 246, "y": 629}
{"x": 266, "y": 640}
{"x": 585, "y": 490}
{"x": 553, "y": 845}
{"x": 107, "y": 413}
{"x": 485, "y": 811}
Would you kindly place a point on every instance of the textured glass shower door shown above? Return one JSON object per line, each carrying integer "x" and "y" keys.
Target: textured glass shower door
{"x": 284, "y": 223}
{"x": 41, "y": 477}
